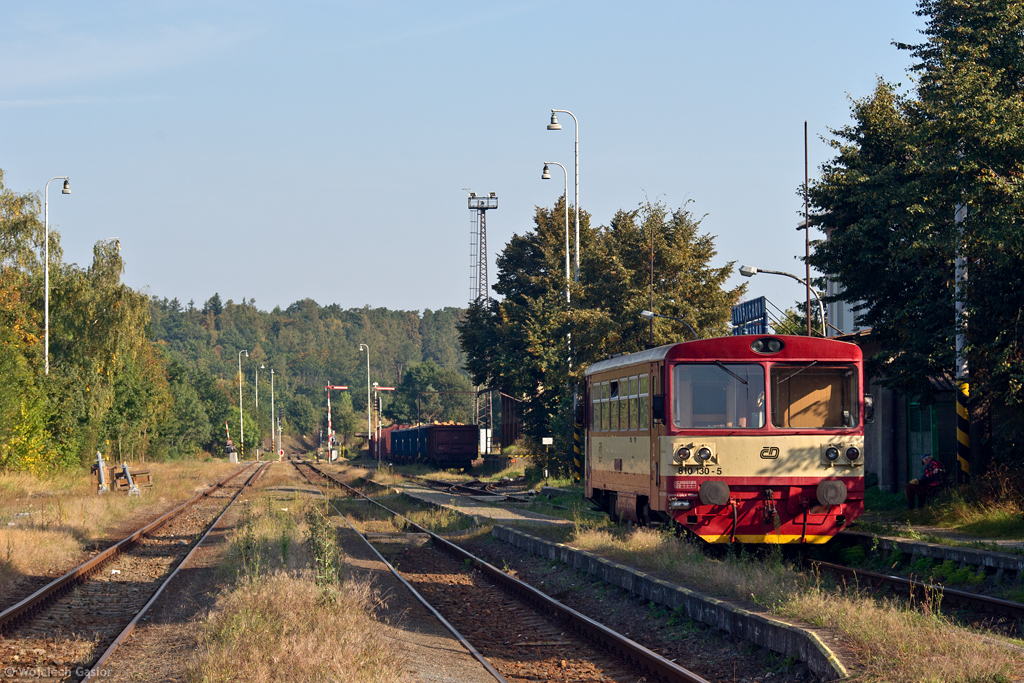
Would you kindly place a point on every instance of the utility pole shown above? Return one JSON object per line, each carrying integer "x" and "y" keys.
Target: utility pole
{"x": 807, "y": 238}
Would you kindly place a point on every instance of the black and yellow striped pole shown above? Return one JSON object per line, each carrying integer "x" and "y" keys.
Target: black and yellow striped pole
{"x": 577, "y": 461}
{"x": 963, "y": 433}
{"x": 963, "y": 413}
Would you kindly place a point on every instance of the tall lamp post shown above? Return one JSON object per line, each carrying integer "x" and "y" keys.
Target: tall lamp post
{"x": 273, "y": 430}
{"x": 750, "y": 271}
{"x": 555, "y": 125}
{"x": 257, "y": 382}
{"x": 369, "y": 407}
{"x": 46, "y": 266}
{"x": 241, "y": 422}
{"x": 546, "y": 175}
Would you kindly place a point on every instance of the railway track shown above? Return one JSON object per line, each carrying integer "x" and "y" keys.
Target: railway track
{"x": 921, "y": 591}
{"x": 68, "y": 629}
{"x": 522, "y": 632}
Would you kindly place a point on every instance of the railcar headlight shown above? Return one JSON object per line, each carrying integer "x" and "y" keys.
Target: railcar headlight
{"x": 682, "y": 454}
{"x": 852, "y": 453}
{"x": 704, "y": 453}
{"x": 766, "y": 345}
{"x": 831, "y": 453}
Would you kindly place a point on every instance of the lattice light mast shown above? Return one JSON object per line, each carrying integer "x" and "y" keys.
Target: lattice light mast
{"x": 479, "y": 206}
{"x": 479, "y": 287}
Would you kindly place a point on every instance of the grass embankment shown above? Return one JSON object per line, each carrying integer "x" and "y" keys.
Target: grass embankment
{"x": 991, "y": 506}
{"x": 897, "y": 642}
{"x": 292, "y": 615}
{"x": 46, "y": 522}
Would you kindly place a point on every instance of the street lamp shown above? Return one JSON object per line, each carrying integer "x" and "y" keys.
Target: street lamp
{"x": 257, "y": 382}
{"x": 750, "y": 271}
{"x": 273, "y": 431}
{"x": 651, "y": 315}
{"x": 369, "y": 427}
{"x": 46, "y": 266}
{"x": 546, "y": 175}
{"x": 241, "y": 422}
{"x": 555, "y": 125}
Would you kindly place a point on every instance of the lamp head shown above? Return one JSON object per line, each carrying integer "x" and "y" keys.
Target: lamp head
{"x": 247, "y": 353}
{"x": 546, "y": 174}
{"x": 262, "y": 366}
{"x": 647, "y": 314}
{"x": 554, "y": 125}
{"x": 67, "y": 187}
{"x": 748, "y": 271}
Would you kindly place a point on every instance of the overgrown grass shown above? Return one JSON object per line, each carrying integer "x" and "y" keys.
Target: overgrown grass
{"x": 292, "y": 614}
{"x": 991, "y": 505}
{"x": 899, "y": 642}
{"x": 279, "y": 628}
{"x": 47, "y": 522}
{"x": 905, "y": 644}
{"x": 877, "y": 500}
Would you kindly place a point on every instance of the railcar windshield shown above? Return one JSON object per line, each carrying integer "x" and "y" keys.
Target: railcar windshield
{"x": 718, "y": 395}
{"x": 814, "y": 396}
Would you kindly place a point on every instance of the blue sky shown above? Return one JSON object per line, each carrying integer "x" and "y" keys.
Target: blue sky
{"x": 319, "y": 149}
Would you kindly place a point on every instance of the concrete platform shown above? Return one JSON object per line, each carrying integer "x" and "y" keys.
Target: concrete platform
{"x": 787, "y": 638}
{"x": 784, "y": 637}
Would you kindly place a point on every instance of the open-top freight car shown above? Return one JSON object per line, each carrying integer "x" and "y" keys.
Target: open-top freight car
{"x": 441, "y": 446}
{"x": 755, "y": 439}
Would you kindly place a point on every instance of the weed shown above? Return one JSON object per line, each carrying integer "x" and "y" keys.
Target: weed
{"x": 922, "y": 566}
{"x": 323, "y": 544}
{"x": 274, "y": 629}
{"x": 854, "y": 556}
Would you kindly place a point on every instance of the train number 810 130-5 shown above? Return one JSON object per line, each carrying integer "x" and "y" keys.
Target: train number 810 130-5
{"x": 706, "y": 471}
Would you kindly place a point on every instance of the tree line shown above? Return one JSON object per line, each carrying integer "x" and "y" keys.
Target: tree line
{"x": 138, "y": 377}
{"x": 106, "y": 389}
{"x": 534, "y": 343}
{"x": 923, "y": 177}
{"x": 308, "y": 347}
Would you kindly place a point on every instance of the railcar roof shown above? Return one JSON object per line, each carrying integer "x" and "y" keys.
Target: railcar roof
{"x": 796, "y": 349}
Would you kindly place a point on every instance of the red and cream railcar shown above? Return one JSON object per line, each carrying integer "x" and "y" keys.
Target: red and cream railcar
{"x": 753, "y": 439}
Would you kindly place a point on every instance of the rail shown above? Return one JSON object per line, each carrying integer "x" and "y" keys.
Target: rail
{"x": 922, "y": 589}
{"x": 41, "y": 597}
{"x": 644, "y": 657}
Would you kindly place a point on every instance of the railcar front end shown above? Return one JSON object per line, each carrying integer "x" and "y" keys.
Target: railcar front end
{"x": 752, "y": 439}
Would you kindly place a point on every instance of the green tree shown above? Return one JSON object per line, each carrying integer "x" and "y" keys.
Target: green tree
{"x": 521, "y": 343}
{"x": 887, "y": 202}
{"x": 428, "y": 393}
{"x": 345, "y": 421}
{"x": 302, "y": 415}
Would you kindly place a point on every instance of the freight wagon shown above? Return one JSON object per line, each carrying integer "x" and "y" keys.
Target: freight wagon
{"x": 441, "y": 446}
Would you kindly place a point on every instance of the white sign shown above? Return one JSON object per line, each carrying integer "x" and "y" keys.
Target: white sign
{"x": 281, "y": 452}
{"x": 547, "y": 441}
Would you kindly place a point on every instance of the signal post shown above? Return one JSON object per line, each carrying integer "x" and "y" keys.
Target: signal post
{"x": 377, "y": 408}
{"x": 332, "y": 454}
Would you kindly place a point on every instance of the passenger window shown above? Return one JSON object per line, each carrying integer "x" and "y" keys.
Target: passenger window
{"x": 814, "y": 396}
{"x": 718, "y": 396}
